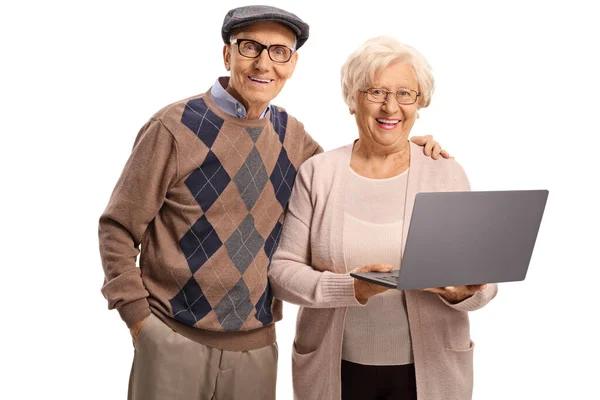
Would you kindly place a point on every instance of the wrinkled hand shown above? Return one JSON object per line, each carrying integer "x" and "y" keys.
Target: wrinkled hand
{"x": 135, "y": 329}
{"x": 432, "y": 148}
{"x": 456, "y": 294}
{"x": 363, "y": 291}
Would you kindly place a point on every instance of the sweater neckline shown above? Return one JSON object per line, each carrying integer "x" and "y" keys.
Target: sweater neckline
{"x": 245, "y": 123}
{"x": 382, "y": 180}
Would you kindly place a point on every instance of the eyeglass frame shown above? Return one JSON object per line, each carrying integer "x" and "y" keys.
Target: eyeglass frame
{"x": 388, "y": 92}
{"x": 262, "y": 47}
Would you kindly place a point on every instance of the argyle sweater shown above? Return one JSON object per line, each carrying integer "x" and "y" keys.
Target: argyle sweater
{"x": 203, "y": 193}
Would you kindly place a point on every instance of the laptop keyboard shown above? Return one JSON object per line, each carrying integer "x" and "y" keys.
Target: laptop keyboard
{"x": 391, "y": 279}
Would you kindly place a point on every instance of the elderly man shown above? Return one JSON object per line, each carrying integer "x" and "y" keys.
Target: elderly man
{"x": 203, "y": 194}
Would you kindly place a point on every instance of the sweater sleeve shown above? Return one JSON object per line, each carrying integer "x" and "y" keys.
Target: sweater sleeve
{"x": 479, "y": 299}
{"x": 311, "y": 147}
{"x": 292, "y": 277}
{"x": 135, "y": 201}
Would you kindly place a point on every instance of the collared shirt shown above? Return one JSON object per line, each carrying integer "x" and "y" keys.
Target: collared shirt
{"x": 227, "y": 103}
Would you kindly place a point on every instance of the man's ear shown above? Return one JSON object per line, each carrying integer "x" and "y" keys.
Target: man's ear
{"x": 293, "y": 62}
{"x": 227, "y": 57}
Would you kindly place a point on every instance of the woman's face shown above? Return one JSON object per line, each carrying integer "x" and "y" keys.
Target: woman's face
{"x": 385, "y": 126}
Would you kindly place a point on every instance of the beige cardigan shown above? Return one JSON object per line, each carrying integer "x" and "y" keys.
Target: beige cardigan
{"x": 308, "y": 269}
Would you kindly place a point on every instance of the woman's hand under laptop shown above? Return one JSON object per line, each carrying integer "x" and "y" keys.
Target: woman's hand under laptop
{"x": 363, "y": 291}
{"x": 456, "y": 294}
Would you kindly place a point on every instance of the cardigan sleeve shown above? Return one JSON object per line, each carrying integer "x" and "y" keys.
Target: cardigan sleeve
{"x": 475, "y": 302}
{"x": 481, "y": 298}
{"x": 292, "y": 275}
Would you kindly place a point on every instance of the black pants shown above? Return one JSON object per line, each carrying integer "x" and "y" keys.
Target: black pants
{"x": 373, "y": 382}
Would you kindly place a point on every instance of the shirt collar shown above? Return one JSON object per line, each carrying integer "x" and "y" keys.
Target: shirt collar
{"x": 227, "y": 103}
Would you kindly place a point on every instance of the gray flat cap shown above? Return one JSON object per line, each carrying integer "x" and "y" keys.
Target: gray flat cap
{"x": 247, "y": 15}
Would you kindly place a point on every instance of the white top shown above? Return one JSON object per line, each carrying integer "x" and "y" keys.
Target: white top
{"x": 377, "y": 334}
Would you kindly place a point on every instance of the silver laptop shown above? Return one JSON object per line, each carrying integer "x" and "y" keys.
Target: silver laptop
{"x": 467, "y": 238}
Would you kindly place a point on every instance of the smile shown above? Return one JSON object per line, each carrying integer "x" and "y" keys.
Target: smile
{"x": 387, "y": 124}
{"x": 387, "y": 121}
{"x": 260, "y": 81}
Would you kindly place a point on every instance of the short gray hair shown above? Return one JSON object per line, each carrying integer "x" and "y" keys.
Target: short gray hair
{"x": 372, "y": 57}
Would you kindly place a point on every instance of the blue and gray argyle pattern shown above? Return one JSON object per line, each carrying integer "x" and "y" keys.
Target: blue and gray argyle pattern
{"x": 262, "y": 184}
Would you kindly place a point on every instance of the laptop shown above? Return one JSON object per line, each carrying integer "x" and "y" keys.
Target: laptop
{"x": 467, "y": 238}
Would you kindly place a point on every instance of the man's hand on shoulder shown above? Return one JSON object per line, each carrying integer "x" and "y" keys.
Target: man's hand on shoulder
{"x": 431, "y": 147}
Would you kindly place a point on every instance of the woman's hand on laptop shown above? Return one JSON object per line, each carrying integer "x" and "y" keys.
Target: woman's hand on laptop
{"x": 456, "y": 294}
{"x": 363, "y": 291}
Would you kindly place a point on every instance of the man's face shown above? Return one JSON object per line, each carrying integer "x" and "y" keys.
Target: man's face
{"x": 259, "y": 80}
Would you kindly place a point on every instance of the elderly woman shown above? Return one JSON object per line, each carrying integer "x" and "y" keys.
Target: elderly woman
{"x": 350, "y": 209}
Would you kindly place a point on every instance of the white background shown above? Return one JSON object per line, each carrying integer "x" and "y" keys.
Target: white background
{"x": 516, "y": 103}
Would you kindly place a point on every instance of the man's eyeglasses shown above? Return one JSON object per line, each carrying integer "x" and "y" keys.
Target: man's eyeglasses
{"x": 403, "y": 96}
{"x": 252, "y": 49}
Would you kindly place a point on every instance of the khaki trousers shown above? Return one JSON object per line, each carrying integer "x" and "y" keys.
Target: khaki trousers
{"x": 169, "y": 366}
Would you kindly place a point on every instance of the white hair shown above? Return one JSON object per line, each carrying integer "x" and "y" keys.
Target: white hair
{"x": 372, "y": 57}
